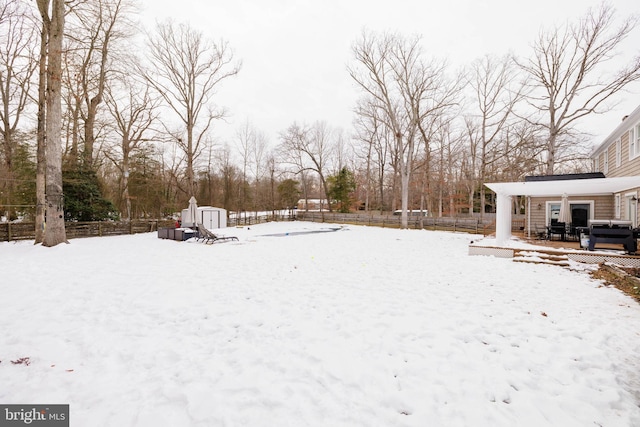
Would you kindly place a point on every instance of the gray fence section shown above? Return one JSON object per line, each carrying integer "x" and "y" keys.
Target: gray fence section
{"x": 250, "y": 218}
{"x": 26, "y": 230}
{"x": 473, "y": 225}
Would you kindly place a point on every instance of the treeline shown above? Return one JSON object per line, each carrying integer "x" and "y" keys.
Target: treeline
{"x": 138, "y": 111}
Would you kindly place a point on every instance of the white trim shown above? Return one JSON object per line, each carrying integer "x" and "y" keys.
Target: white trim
{"x": 548, "y": 204}
{"x": 572, "y": 187}
{"x": 605, "y": 166}
{"x": 634, "y": 141}
{"x": 621, "y": 129}
{"x": 617, "y": 201}
{"x": 555, "y": 188}
{"x": 631, "y": 207}
{"x": 618, "y": 152}
{"x": 547, "y": 209}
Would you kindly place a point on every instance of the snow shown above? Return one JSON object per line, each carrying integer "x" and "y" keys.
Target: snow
{"x": 357, "y": 326}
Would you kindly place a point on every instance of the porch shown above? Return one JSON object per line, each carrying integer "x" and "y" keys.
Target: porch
{"x": 541, "y": 251}
{"x": 572, "y": 200}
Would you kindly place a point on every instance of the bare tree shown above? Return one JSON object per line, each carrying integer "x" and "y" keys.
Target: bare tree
{"x": 133, "y": 116}
{"x": 251, "y": 146}
{"x": 448, "y": 153}
{"x": 41, "y": 161}
{"x": 372, "y": 132}
{"x": 407, "y": 90}
{"x": 94, "y": 33}
{"x": 568, "y": 77}
{"x": 308, "y": 148}
{"x": 496, "y": 91}
{"x": 186, "y": 70}
{"x": 259, "y": 158}
{"x": 54, "y": 232}
{"x": 17, "y": 66}
{"x": 245, "y": 138}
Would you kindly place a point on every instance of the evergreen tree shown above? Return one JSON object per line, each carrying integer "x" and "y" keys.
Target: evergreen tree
{"x": 289, "y": 193}
{"x": 341, "y": 188}
{"x": 83, "y": 199}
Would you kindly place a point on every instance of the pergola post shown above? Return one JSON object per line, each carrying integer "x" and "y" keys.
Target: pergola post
{"x": 503, "y": 218}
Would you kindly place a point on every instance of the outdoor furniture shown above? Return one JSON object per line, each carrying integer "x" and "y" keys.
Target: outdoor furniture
{"x": 209, "y": 237}
{"x": 540, "y": 233}
{"x": 573, "y": 232}
{"x": 179, "y": 234}
{"x": 612, "y": 231}
{"x": 557, "y": 229}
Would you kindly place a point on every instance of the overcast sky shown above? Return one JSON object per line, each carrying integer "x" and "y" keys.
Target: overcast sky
{"x": 294, "y": 53}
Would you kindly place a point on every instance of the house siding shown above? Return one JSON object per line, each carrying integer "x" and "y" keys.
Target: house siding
{"x": 628, "y": 167}
{"x": 604, "y": 208}
{"x": 624, "y": 205}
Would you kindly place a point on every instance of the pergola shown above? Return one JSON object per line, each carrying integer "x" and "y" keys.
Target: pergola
{"x": 570, "y": 187}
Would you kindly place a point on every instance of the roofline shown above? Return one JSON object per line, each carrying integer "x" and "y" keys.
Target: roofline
{"x": 618, "y": 131}
{"x": 576, "y": 187}
{"x": 564, "y": 177}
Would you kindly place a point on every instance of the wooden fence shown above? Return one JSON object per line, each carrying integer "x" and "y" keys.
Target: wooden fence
{"x": 250, "y": 218}
{"x": 26, "y": 230}
{"x": 473, "y": 225}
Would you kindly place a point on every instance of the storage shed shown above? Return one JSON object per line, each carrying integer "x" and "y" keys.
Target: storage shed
{"x": 208, "y": 216}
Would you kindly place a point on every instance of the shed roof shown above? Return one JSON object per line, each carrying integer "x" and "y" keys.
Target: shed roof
{"x": 571, "y": 187}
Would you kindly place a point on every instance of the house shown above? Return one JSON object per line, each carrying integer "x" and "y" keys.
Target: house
{"x": 611, "y": 191}
{"x": 313, "y": 205}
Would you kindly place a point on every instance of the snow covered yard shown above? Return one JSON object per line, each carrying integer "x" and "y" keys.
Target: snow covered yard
{"x": 357, "y": 327}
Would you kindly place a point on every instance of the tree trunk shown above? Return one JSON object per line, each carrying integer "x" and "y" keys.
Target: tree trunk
{"x": 551, "y": 150}
{"x": 54, "y": 233}
{"x": 125, "y": 184}
{"x": 43, "y": 6}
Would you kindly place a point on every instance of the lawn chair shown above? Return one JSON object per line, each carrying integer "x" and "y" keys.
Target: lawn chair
{"x": 209, "y": 237}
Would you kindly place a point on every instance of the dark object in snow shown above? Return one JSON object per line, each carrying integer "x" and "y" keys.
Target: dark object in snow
{"x": 22, "y": 361}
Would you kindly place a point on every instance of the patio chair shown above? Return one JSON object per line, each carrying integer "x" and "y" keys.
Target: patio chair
{"x": 209, "y": 237}
{"x": 540, "y": 233}
{"x": 557, "y": 229}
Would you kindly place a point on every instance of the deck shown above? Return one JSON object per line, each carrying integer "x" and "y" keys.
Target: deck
{"x": 557, "y": 252}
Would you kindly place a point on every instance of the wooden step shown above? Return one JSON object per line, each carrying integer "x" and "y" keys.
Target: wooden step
{"x": 536, "y": 257}
{"x": 542, "y": 261}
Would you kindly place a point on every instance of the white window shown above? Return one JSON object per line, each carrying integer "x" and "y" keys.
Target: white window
{"x": 596, "y": 164}
{"x": 617, "y": 206}
{"x": 618, "y": 153}
{"x": 605, "y": 163}
{"x": 634, "y": 141}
